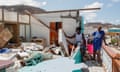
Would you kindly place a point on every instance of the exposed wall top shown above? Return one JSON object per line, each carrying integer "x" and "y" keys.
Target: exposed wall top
{"x": 22, "y": 8}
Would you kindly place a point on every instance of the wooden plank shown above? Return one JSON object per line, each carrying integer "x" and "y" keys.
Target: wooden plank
{"x": 3, "y": 15}
{"x": 40, "y": 21}
{"x": 116, "y": 65}
{"x": 18, "y": 30}
{"x": 71, "y": 10}
{"x": 111, "y": 52}
{"x": 43, "y": 23}
{"x": 63, "y": 43}
{"x": 25, "y": 32}
{"x": 52, "y": 33}
{"x": 13, "y": 22}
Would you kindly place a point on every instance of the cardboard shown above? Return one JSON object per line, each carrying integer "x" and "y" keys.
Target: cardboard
{"x": 2, "y": 42}
{"x": 5, "y": 36}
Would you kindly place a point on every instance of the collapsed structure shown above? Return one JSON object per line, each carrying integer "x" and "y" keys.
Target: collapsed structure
{"x": 31, "y": 39}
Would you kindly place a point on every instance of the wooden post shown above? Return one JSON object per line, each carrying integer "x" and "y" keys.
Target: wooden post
{"x": 30, "y": 26}
{"x": 3, "y": 15}
{"x": 18, "y": 29}
{"x": 25, "y": 31}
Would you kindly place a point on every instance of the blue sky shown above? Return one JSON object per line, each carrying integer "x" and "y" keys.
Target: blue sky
{"x": 109, "y": 12}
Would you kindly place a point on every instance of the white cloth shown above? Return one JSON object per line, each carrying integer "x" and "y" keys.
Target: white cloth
{"x": 78, "y": 37}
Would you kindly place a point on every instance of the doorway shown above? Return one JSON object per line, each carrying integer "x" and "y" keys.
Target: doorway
{"x": 54, "y": 27}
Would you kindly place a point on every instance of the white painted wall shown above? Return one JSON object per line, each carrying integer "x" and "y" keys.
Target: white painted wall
{"x": 41, "y": 31}
{"x": 22, "y": 30}
{"x": 24, "y": 18}
{"x": 10, "y": 16}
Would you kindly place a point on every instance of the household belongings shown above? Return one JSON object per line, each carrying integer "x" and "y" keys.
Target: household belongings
{"x": 33, "y": 58}
{"x": 61, "y": 64}
{"x": 31, "y": 46}
{"x": 39, "y": 41}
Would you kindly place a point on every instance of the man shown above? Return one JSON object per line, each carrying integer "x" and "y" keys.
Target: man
{"x": 98, "y": 38}
{"x": 79, "y": 39}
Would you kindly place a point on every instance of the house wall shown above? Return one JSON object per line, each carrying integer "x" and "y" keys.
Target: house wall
{"x": 22, "y": 30}
{"x": 41, "y": 31}
{"x": 10, "y": 16}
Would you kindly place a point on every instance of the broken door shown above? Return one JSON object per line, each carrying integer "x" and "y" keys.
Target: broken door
{"x": 54, "y": 27}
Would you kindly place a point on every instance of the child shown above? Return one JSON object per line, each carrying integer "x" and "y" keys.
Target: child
{"x": 90, "y": 48}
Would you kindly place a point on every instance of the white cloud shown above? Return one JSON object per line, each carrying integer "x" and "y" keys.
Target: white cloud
{"x": 94, "y": 5}
{"x": 25, "y": 2}
{"x": 115, "y": 0}
{"x": 91, "y": 15}
{"x": 117, "y": 21}
{"x": 44, "y": 3}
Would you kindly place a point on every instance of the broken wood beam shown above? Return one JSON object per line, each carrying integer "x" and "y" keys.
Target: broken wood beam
{"x": 43, "y": 23}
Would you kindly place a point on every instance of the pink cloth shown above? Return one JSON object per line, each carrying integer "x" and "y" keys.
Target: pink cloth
{"x": 90, "y": 48}
{"x": 5, "y": 64}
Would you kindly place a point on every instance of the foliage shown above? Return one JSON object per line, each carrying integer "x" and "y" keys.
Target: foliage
{"x": 113, "y": 41}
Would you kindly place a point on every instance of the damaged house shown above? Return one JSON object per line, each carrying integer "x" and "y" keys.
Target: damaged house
{"x": 29, "y": 38}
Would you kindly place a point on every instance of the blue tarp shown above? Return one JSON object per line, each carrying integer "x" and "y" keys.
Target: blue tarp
{"x": 4, "y": 50}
